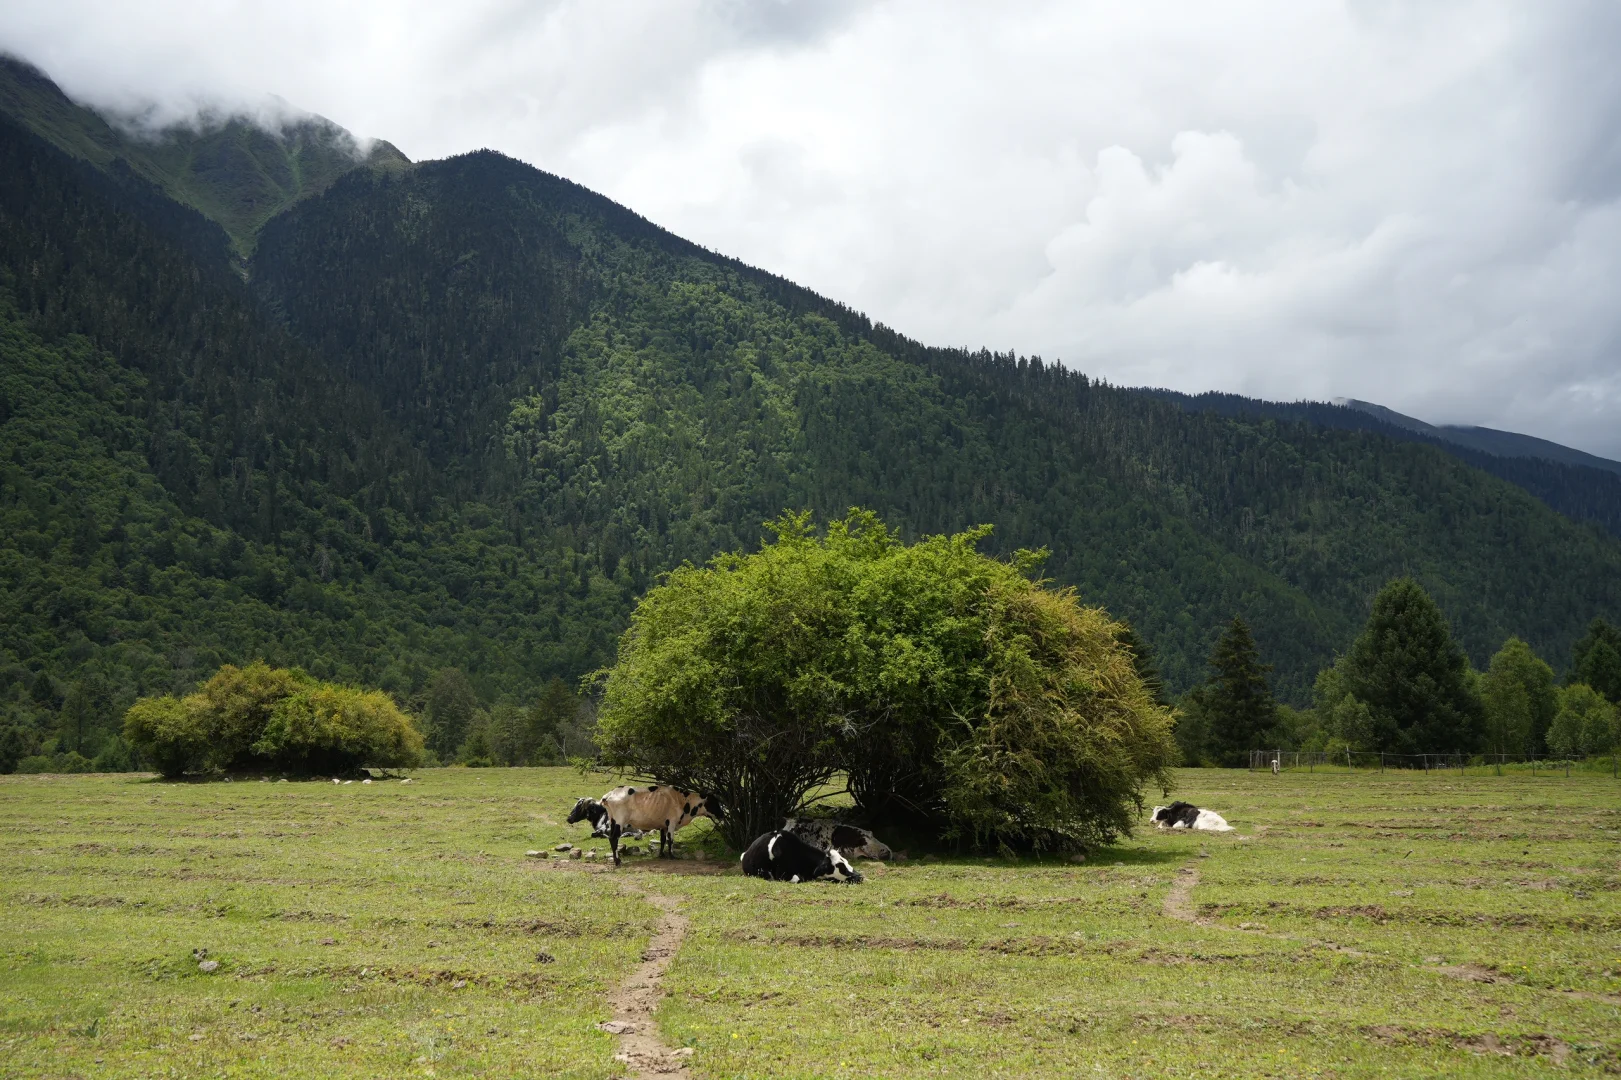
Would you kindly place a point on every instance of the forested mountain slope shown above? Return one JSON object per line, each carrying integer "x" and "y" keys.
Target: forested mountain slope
{"x": 1578, "y": 485}
{"x": 698, "y": 395}
{"x": 466, "y": 412}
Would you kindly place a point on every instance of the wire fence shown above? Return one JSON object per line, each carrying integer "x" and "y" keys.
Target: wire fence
{"x": 1278, "y": 761}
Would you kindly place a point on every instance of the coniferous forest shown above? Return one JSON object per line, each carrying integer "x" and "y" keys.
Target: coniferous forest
{"x": 462, "y": 414}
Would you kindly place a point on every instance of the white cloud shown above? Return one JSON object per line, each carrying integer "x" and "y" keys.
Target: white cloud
{"x": 1415, "y": 204}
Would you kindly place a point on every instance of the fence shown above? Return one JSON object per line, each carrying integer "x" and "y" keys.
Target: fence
{"x": 1375, "y": 761}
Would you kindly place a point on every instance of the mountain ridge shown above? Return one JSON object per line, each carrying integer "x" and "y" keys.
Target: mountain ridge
{"x": 1488, "y": 440}
{"x": 238, "y": 172}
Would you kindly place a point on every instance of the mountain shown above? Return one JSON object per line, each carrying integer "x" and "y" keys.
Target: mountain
{"x": 1488, "y": 440}
{"x": 236, "y": 172}
{"x": 1581, "y": 486}
{"x": 465, "y": 412}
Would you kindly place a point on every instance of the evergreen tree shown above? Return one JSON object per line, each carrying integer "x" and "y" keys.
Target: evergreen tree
{"x": 449, "y": 709}
{"x": 1142, "y": 659}
{"x": 550, "y": 715}
{"x": 1237, "y": 701}
{"x": 1597, "y": 660}
{"x": 1519, "y": 698}
{"x": 1412, "y": 676}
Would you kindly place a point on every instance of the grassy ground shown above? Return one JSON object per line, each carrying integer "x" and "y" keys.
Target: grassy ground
{"x": 1354, "y": 925}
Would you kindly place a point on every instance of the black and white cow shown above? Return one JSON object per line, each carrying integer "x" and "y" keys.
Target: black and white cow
{"x": 593, "y": 811}
{"x": 1181, "y": 815}
{"x": 851, "y": 841}
{"x": 662, "y": 807}
{"x": 783, "y": 856}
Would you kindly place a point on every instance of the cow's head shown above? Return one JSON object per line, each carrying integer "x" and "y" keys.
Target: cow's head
{"x": 581, "y": 811}
{"x": 1159, "y": 814}
{"x": 705, "y": 806}
{"x": 851, "y": 841}
{"x": 838, "y": 868}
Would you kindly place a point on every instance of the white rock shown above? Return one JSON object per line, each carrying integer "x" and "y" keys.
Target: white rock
{"x": 366, "y": 781}
{"x": 207, "y": 966}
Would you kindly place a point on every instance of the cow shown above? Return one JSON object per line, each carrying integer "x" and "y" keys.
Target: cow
{"x": 593, "y": 811}
{"x": 1181, "y": 815}
{"x": 849, "y": 840}
{"x": 661, "y": 806}
{"x": 784, "y": 856}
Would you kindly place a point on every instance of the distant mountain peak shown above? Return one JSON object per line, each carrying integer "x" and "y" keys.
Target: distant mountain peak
{"x": 238, "y": 167}
{"x": 1510, "y": 444}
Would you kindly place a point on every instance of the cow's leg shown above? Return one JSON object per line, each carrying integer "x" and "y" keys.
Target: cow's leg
{"x": 613, "y": 840}
{"x": 667, "y": 843}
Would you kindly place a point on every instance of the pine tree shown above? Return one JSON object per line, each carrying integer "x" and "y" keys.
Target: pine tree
{"x": 1237, "y": 700}
{"x": 1142, "y": 659}
{"x": 1412, "y": 676}
{"x": 1597, "y": 660}
{"x": 450, "y": 709}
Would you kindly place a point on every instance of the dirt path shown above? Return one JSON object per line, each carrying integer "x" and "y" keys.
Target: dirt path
{"x": 1179, "y": 901}
{"x": 635, "y": 999}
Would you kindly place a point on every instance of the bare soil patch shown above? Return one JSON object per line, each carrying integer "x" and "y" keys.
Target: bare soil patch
{"x": 634, "y": 1002}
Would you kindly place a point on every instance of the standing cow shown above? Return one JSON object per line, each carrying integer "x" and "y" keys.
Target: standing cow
{"x": 662, "y": 807}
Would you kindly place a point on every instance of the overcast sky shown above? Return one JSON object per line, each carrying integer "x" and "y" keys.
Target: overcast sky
{"x": 1415, "y": 204}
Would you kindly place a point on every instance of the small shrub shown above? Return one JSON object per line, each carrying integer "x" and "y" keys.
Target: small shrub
{"x": 326, "y": 728}
{"x": 174, "y": 735}
{"x": 70, "y": 762}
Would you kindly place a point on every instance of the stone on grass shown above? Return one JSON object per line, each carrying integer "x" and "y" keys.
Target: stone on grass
{"x": 206, "y": 966}
{"x": 565, "y": 847}
{"x": 575, "y": 854}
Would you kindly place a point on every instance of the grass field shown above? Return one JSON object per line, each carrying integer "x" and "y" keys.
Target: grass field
{"x": 1354, "y": 925}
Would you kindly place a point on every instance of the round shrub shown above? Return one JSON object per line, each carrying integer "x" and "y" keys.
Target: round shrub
{"x": 259, "y": 718}
{"x": 174, "y": 735}
{"x": 325, "y": 728}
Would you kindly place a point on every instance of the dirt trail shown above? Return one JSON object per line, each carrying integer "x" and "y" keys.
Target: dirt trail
{"x": 1179, "y": 901}
{"x": 635, "y": 999}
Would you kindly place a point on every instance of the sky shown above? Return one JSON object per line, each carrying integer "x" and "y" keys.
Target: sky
{"x": 1417, "y": 204}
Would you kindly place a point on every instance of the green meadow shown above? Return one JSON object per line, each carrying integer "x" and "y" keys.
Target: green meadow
{"x": 1354, "y": 925}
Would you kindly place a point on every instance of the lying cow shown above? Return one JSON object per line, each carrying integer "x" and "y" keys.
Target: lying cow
{"x": 593, "y": 811}
{"x": 662, "y": 807}
{"x": 1181, "y": 815}
{"x": 783, "y": 856}
{"x": 848, "y": 840}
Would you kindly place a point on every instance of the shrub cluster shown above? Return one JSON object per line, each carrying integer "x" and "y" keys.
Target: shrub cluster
{"x": 955, "y": 693}
{"x": 263, "y": 719}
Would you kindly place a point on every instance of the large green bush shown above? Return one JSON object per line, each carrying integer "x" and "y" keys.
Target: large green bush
{"x": 1585, "y": 724}
{"x": 952, "y": 691}
{"x": 260, "y": 718}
